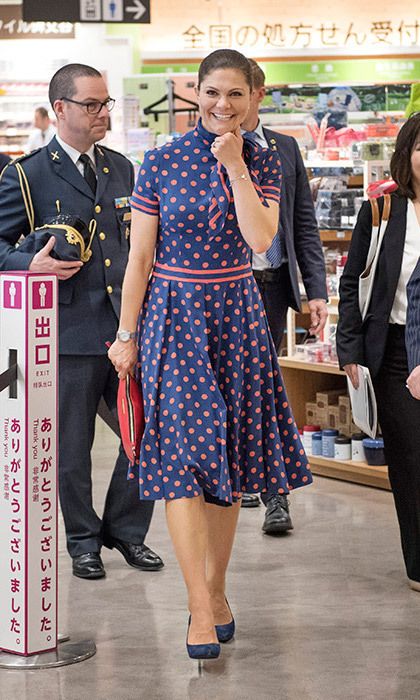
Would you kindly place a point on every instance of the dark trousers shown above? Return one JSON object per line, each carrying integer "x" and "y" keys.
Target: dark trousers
{"x": 399, "y": 417}
{"x": 273, "y": 289}
{"x": 83, "y": 381}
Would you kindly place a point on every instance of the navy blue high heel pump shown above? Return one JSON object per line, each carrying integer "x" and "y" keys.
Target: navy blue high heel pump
{"x": 202, "y": 651}
{"x": 226, "y": 632}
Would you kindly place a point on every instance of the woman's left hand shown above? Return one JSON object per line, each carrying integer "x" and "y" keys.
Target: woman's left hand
{"x": 413, "y": 383}
{"x": 123, "y": 356}
{"x": 227, "y": 149}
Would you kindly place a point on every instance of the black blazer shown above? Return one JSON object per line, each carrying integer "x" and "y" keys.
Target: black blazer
{"x": 89, "y": 302}
{"x": 364, "y": 342}
{"x": 297, "y": 219}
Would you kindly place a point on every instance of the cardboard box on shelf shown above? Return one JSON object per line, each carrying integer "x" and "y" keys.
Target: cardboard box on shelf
{"x": 344, "y": 428}
{"x": 344, "y": 410}
{"x": 324, "y": 400}
{"x": 311, "y": 413}
{"x": 344, "y": 401}
{"x": 333, "y": 417}
{"x": 328, "y": 398}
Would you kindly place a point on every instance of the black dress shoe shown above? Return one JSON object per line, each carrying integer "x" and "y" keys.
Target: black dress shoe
{"x": 137, "y": 555}
{"x": 88, "y": 565}
{"x": 250, "y": 500}
{"x": 277, "y": 516}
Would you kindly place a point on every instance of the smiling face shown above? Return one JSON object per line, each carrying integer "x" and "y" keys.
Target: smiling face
{"x": 223, "y": 100}
{"x": 76, "y": 126}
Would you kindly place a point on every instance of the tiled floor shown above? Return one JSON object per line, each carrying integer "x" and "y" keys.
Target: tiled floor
{"x": 322, "y": 614}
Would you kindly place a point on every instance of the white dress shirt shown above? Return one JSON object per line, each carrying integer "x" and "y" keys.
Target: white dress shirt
{"x": 260, "y": 260}
{"x": 74, "y": 154}
{"x": 411, "y": 255}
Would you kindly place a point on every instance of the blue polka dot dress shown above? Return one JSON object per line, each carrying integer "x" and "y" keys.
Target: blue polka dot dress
{"x": 218, "y": 420}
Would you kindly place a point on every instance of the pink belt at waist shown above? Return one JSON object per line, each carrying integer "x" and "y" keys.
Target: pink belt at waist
{"x": 211, "y": 276}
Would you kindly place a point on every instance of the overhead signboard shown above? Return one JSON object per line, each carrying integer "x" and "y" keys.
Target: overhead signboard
{"x": 13, "y": 26}
{"x": 106, "y": 11}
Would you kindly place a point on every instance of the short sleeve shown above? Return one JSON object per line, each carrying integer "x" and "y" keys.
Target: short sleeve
{"x": 145, "y": 195}
{"x": 270, "y": 182}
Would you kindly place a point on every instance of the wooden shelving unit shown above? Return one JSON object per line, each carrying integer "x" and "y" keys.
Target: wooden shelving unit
{"x": 303, "y": 380}
{"x": 335, "y": 236}
{"x": 356, "y": 472}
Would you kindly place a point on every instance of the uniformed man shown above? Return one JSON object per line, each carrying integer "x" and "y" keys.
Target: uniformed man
{"x": 73, "y": 175}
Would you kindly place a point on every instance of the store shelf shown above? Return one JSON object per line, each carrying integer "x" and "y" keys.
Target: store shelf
{"x": 347, "y": 470}
{"x": 302, "y": 381}
{"x": 335, "y": 236}
{"x": 322, "y": 163}
{"x": 324, "y": 367}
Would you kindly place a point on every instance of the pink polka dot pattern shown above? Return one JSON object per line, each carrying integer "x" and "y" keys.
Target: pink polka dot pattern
{"x": 217, "y": 415}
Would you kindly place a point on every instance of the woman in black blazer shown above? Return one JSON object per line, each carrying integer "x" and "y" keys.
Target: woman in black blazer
{"x": 379, "y": 341}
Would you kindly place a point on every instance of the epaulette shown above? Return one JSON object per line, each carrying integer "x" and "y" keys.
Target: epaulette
{"x": 101, "y": 147}
{"x": 25, "y": 156}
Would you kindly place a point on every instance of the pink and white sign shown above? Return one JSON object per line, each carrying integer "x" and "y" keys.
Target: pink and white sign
{"x": 12, "y": 294}
{"x": 28, "y": 465}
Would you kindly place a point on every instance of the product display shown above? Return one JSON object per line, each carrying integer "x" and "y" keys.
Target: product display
{"x": 342, "y": 447}
{"x": 18, "y": 101}
{"x": 316, "y": 443}
{"x": 374, "y": 451}
{"x": 308, "y": 431}
{"x": 338, "y": 208}
{"x": 357, "y": 450}
{"x": 328, "y": 442}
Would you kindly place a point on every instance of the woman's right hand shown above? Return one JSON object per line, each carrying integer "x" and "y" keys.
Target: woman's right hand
{"x": 353, "y": 374}
{"x": 123, "y": 356}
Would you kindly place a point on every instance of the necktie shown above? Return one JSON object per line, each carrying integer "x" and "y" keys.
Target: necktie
{"x": 88, "y": 172}
{"x": 274, "y": 253}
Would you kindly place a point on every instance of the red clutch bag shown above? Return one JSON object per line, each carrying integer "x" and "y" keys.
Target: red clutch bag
{"x": 130, "y": 416}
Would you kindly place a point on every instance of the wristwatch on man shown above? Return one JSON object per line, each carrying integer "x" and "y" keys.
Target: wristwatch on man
{"x": 125, "y": 336}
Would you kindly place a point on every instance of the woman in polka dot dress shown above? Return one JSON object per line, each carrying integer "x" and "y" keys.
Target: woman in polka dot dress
{"x": 218, "y": 421}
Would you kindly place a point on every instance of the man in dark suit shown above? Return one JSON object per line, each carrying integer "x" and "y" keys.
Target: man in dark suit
{"x": 72, "y": 175}
{"x": 296, "y": 243}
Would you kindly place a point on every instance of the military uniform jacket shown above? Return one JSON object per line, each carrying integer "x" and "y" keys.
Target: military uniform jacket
{"x": 89, "y": 302}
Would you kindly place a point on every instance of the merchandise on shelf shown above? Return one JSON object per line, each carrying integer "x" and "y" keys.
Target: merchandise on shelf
{"x": 331, "y": 409}
{"x": 338, "y": 208}
{"x": 18, "y": 101}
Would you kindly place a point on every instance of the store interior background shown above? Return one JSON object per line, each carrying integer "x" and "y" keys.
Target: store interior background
{"x": 355, "y": 61}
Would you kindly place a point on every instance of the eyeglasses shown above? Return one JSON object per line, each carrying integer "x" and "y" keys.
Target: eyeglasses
{"x": 93, "y": 107}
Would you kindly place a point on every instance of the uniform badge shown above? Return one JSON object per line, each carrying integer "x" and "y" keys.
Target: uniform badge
{"x": 55, "y": 155}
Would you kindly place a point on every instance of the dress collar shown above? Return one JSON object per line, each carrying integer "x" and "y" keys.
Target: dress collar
{"x": 205, "y": 136}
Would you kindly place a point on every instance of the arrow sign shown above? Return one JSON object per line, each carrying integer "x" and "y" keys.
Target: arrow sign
{"x": 138, "y": 10}
{"x": 113, "y": 11}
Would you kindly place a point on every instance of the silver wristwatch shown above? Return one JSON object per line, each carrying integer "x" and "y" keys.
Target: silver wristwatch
{"x": 125, "y": 336}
